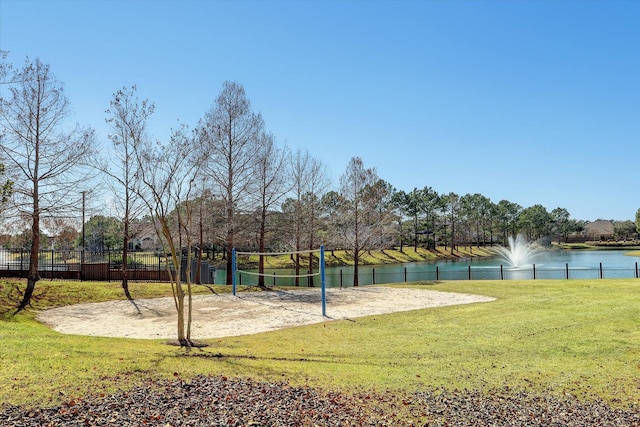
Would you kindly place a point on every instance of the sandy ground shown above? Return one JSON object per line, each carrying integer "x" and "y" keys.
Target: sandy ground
{"x": 223, "y": 315}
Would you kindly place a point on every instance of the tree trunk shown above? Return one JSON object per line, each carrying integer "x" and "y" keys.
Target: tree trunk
{"x": 311, "y": 225}
{"x": 298, "y": 232}
{"x": 180, "y": 308}
{"x": 263, "y": 220}
{"x": 356, "y": 246}
{"x": 356, "y": 262}
{"x": 229, "y": 211}
{"x": 310, "y": 282}
{"x": 229, "y": 274}
{"x": 178, "y": 292}
{"x": 229, "y": 241}
{"x": 200, "y": 247}
{"x": 33, "y": 276}
{"x": 415, "y": 234}
{"x": 125, "y": 263}
{"x": 188, "y": 294}
{"x": 453, "y": 232}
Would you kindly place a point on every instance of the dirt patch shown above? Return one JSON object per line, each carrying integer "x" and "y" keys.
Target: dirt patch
{"x": 223, "y": 315}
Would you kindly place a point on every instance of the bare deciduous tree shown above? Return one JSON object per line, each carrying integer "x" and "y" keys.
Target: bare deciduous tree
{"x": 43, "y": 155}
{"x": 451, "y": 210}
{"x": 230, "y": 132}
{"x": 357, "y": 232}
{"x": 300, "y": 180}
{"x": 378, "y": 215}
{"x": 128, "y": 119}
{"x": 309, "y": 183}
{"x": 168, "y": 173}
{"x": 270, "y": 189}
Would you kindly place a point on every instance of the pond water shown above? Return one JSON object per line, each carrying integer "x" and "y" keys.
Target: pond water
{"x": 555, "y": 264}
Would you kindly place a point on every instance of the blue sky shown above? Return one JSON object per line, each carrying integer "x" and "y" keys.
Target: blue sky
{"x": 535, "y": 102}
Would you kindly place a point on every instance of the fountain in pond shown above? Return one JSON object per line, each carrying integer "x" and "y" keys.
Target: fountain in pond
{"x": 520, "y": 253}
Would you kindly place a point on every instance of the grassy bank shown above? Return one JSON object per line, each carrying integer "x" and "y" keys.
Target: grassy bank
{"x": 630, "y": 246}
{"x": 377, "y": 257}
{"x": 580, "y": 337}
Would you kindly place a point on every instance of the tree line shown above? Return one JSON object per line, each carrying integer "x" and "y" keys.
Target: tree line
{"x": 224, "y": 182}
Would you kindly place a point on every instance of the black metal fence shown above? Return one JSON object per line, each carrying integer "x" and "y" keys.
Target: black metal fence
{"x": 367, "y": 275}
{"x": 379, "y": 275}
{"x": 83, "y": 265}
{"x": 145, "y": 266}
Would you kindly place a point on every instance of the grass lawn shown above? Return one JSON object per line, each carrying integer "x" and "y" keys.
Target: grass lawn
{"x": 574, "y": 336}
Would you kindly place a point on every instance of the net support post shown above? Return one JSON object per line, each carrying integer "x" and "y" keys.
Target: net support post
{"x": 322, "y": 282}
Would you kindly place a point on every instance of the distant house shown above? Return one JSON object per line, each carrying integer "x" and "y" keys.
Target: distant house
{"x": 145, "y": 243}
{"x": 599, "y": 230}
{"x": 144, "y": 236}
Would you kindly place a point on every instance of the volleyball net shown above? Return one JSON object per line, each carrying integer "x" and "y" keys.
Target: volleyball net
{"x": 282, "y": 274}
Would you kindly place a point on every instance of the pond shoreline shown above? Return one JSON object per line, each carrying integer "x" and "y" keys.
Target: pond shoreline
{"x": 339, "y": 258}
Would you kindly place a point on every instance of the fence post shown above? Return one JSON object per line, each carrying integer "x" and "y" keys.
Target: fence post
{"x": 469, "y": 271}
{"x": 567, "y": 270}
{"x": 373, "y": 276}
{"x": 341, "y": 278}
{"x": 405, "y": 274}
{"x": 501, "y": 272}
{"x": 637, "y": 276}
{"x": 82, "y": 264}
{"x": 601, "y": 275}
{"x": 437, "y": 273}
{"x": 534, "y": 272}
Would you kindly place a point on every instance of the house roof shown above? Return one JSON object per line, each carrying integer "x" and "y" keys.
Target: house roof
{"x": 599, "y": 227}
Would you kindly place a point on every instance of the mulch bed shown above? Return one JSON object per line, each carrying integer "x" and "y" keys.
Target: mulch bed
{"x": 218, "y": 401}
